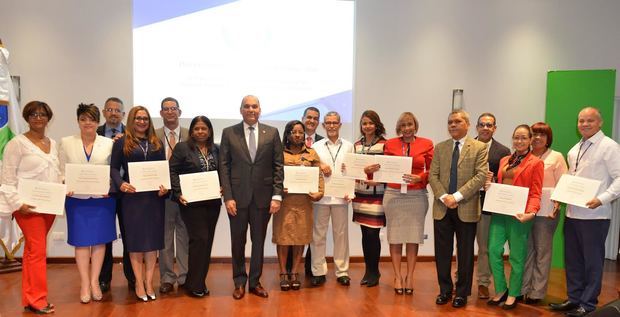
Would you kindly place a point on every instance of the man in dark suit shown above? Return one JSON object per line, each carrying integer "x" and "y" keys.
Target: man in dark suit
{"x": 486, "y": 127}
{"x": 458, "y": 171}
{"x": 251, "y": 174}
{"x": 310, "y": 120}
{"x": 114, "y": 128}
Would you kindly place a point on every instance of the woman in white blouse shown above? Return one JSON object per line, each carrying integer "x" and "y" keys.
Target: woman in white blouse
{"x": 32, "y": 156}
{"x": 91, "y": 219}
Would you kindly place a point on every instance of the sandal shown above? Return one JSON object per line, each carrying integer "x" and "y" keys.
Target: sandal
{"x": 295, "y": 283}
{"x": 49, "y": 309}
{"x": 285, "y": 285}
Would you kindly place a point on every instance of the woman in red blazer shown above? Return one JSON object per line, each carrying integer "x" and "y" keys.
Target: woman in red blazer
{"x": 524, "y": 169}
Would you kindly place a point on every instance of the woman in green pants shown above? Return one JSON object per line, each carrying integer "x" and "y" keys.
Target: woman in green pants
{"x": 523, "y": 169}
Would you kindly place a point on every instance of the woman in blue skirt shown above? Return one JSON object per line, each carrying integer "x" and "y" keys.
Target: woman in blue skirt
{"x": 90, "y": 218}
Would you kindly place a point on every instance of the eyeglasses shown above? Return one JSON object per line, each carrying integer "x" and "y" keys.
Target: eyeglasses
{"x": 169, "y": 109}
{"x": 331, "y": 123}
{"x": 40, "y": 115}
{"x": 112, "y": 110}
{"x": 486, "y": 125}
{"x": 146, "y": 119}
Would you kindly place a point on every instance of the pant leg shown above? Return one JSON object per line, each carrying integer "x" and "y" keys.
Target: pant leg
{"x": 574, "y": 262}
{"x": 465, "y": 237}
{"x": 518, "y": 234}
{"x": 371, "y": 246}
{"x": 340, "y": 232}
{"x": 497, "y": 238}
{"x": 308, "y": 260}
{"x": 238, "y": 237}
{"x": 181, "y": 246}
{"x": 319, "y": 236}
{"x": 444, "y": 244}
{"x": 212, "y": 218}
{"x": 538, "y": 263}
{"x": 594, "y": 233}
{"x": 105, "y": 276}
{"x": 34, "y": 267}
{"x": 259, "y": 220}
{"x": 482, "y": 237}
{"x": 166, "y": 255}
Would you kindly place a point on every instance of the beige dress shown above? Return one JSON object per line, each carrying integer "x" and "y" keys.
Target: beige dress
{"x": 292, "y": 225}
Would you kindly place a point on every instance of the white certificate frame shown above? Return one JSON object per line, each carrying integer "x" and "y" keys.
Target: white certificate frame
{"x": 200, "y": 186}
{"x": 506, "y": 199}
{"x": 46, "y": 197}
{"x": 575, "y": 190}
{"x": 392, "y": 168}
{"x": 148, "y": 176}
{"x": 301, "y": 179}
{"x": 355, "y": 164}
{"x": 87, "y": 179}
{"x": 339, "y": 186}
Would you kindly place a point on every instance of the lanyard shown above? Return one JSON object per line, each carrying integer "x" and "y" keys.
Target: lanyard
{"x": 145, "y": 150}
{"x": 332, "y": 155}
{"x": 405, "y": 152}
{"x": 365, "y": 149}
{"x": 580, "y": 157}
{"x": 168, "y": 142}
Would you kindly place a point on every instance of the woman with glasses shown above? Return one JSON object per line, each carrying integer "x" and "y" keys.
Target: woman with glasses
{"x": 32, "y": 156}
{"x": 143, "y": 212}
{"x": 523, "y": 169}
{"x": 91, "y": 219}
{"x": 540, "y": 243}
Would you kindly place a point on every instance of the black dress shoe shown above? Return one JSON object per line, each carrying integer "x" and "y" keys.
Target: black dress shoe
{"x": 318, "y": 280}
{"x": 509, "y": 306}
{"x": 564, "y": 306}
{"x": 577, "y": 312}
{"x": 443, "y": 299}
{"x": 459, "y": 302}
{"x": 532, "y": 301}
{"x": 166, "y": 288}
{"x": 372, "y": 282}
{"x": 196, "y": 294}
{"x": 364, "y": 280}
{"x": 104, "y": 286}
{"x": 519, "y": 298}
{"x": 492, "y": 302}
{"x": 344, "y": 280}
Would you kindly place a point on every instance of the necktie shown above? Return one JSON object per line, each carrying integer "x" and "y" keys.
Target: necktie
{"x": 309, "y": 142}
{"x": 114, "y": 131}
{"x": 252, "y": 144}
{"x": 454, "y": 168}
{"x": 172, "y": 141}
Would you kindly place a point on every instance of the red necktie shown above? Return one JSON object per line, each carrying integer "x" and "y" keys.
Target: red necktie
{"x": 309, "y": 142}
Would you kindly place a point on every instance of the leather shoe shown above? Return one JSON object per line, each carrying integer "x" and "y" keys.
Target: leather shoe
{"x": 239, "y": 292}
{"x": 318, "y": 280}
{"x": 531, "y": 301}
{"x": 443, "y": 299}
{"x": 577, "y": 312}
{"x": 104, "y": 286}
{"x": 259, "y": 291}
{"x": 483, "y": 292}
{"x": 372, "y": 282}
{"x": 344, "y": 280}
{"x": 564, "y": 306}
{"x": 459, "y": 302}
{"x": 166, "y": 288}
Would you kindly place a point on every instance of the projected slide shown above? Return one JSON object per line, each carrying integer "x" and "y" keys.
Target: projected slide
{"x": 209, "y": 54}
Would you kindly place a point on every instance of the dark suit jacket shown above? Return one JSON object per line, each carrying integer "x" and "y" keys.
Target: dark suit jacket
{"x": 528, "y": 174}
{"x": 101, "y": 129}
{"x": 318, "y": 137}
{"x": 186, "y": 160}
{"x": 496, "y": 152}
{"x": 244, "y": 180}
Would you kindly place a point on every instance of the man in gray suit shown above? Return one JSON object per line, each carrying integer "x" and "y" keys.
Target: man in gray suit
{"x": 486, "y": 127}
{"x": 251, "y": 174}
{"x": 458, "y": 171}
{"x": 174, "y": 227}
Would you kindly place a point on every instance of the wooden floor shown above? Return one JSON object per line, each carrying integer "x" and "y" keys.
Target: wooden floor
{"x": 329, "y": 300}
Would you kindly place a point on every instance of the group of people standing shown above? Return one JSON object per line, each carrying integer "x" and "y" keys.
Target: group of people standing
{"x": 250, "y": 160}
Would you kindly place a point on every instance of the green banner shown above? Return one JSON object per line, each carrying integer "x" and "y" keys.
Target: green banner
{"x": 567, "y": 93}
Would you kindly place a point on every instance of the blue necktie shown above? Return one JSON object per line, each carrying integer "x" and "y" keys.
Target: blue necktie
{"x": 454, "y": 168}
{"x": 113, "y": 132}
{"x": 252, "y": 144}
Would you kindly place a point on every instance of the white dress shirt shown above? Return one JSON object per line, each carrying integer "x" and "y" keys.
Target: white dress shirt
{"x": 332, "y": 154}
{"x": 599, "y": 159}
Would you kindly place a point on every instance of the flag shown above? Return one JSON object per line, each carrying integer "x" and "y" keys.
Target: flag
{"x": 10, "y": 125}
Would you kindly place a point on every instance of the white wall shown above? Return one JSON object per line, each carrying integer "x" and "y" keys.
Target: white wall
{"x": 410, "y": 54}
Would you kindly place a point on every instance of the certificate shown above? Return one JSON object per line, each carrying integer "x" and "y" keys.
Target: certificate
{"x": 200, "y": 186}
{"x": 339, "y": 186}
{"x": 87, "y": 179}
{"x": 575, "y": 190}
{"x": 392, "y": 168}
{"x": 147, "y": 176}
{"x": 506, "y": 199}
{"x": 301, "y": 179}
{"x": 355, "y": 164}
{"x": 546, "y": 205}
{"x": 47, "y": 198}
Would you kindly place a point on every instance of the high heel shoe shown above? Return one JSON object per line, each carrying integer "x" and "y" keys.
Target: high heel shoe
{"x": 408, "y": 291}
{"x": 97, "y": 295}
{"x": 151, "y": 296}
{"x": 142, "y": 298}
{"x": 295, "y": 283}
{"x": 397, "y": 290}
{"x": 49, "y": 309}
{"x": 285, "y": 284}
{"x": 85, "y": 299}
{"x": 492, "y": 302}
